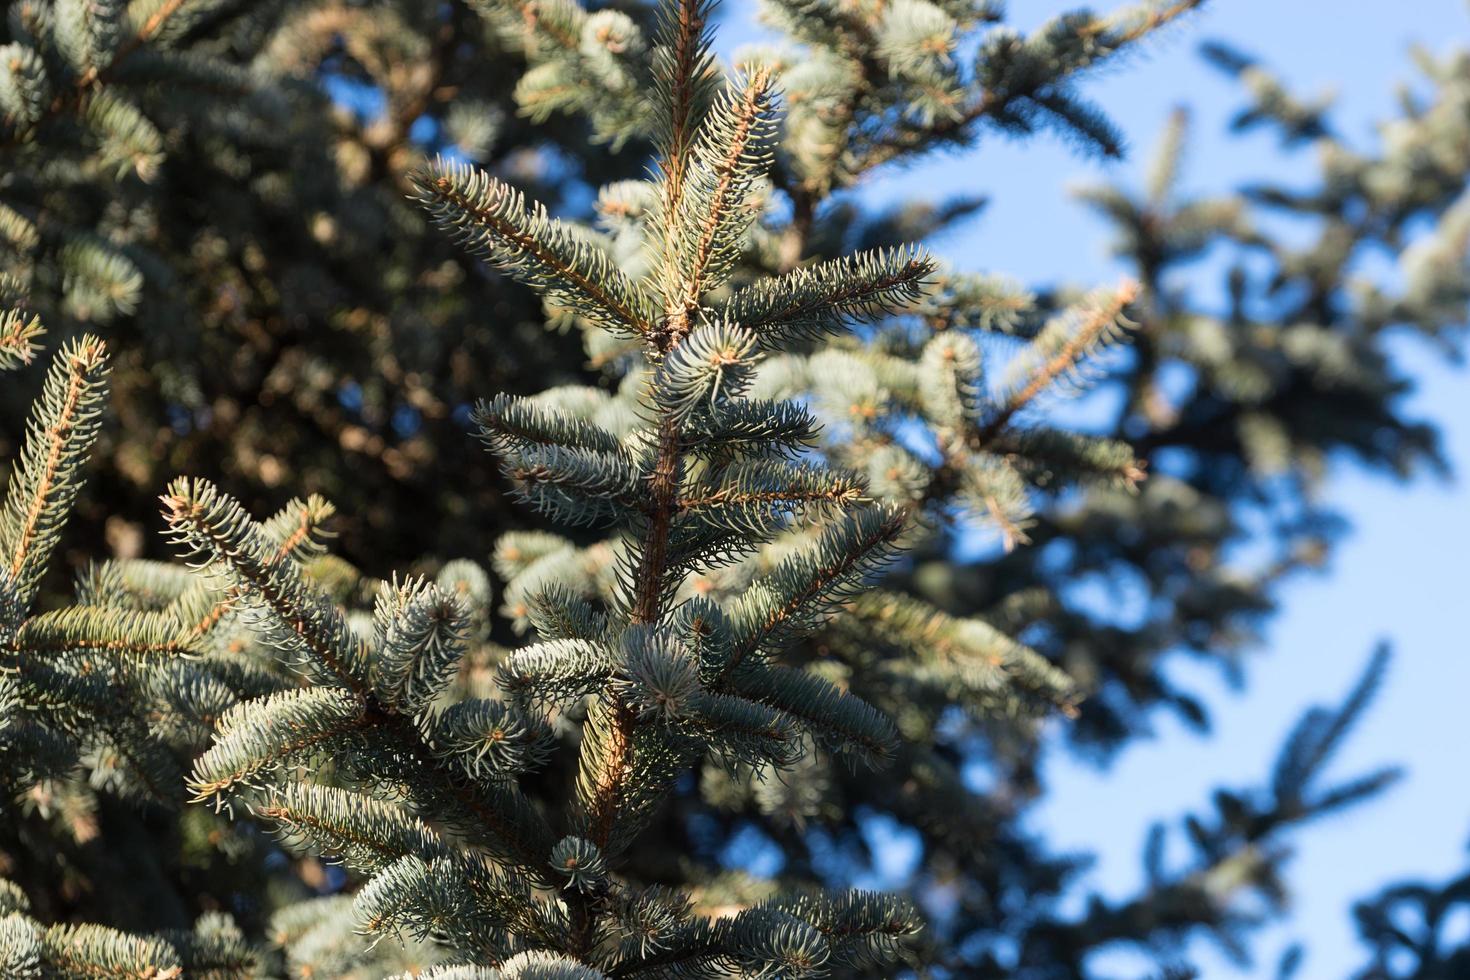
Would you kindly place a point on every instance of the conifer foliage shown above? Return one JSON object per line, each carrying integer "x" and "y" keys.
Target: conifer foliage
{"x": 732, "y": 542}
{"x": 80, "y": 687}
{"x": 657, "y": 666}
{"x": 726, "y": 599}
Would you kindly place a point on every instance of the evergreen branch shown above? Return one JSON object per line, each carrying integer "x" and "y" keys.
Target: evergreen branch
{"x": 580, "y": 864}
{"x": 821, "y": 298}
{"x": 102, "y": 630}
{"x": 765, "y": 940}
{"x": 510, "y": 424}
{"x": 542, "y": 965}
{"x": 1057, "y": 351}
{"x": 738, "y": 500}
{"x": 708, "y": 945}
{"x": 605, "y": 790}
{"x": 146, "y": 758}
{"x": 951, "y": 380}
{"x": 1321, "y": 732}
{"x": 844, "y": 723}
{"x": 132, "y": 583}
{"x": 557, "y": 22}
{"x": 12, "y": 610}
{"x": 570, "y": 567}
{"x": 606, "y": 786}
{"x": 558, "y": 614}
{"x": 628, "y": 765}
{"x": 101, "y": 281}
{"x": 422, "y": 631}
{"x": 748, "y": 731}
{"x": 800, "y": 937}
{"x": 683, "y": 71}
{"x": 497, "y": 816}
{"x": 57, "y": 686}
{"x": 299, "y": 529}
{"x": 657, "y": 678}
{"x": 150, "y": 28}
{"x": 752, "y": 498}
{"x": 25, "y": 95}
{"x": 860, "y": 927}
{"x": 556, "y": 671}
{"x": 298, "y": 533}
{"x": 578, "y": 486}
{"x": 364, "y": 833}
{"x": 1352, "y": 792}
{"x": 439, "y": 898}
{"x": 794, "y": 597}
{"x": 710, "y": 367}
{"x": 216, "y": 530}
{"x": 752, "y": 427}
{"x": 1103, "y": 38}
{"x": 684, "y": 74}
{"x": 995, "y": 489}
{"x": 981, "y": 658}
{"x": 491, "y": 219}
{"x": 128, "y": 139}
{"x": 46, "y": 477}
{"x": 18, "y": 334}
{"x": 98, "y": 74}
{"x": 734, "y": 148}
{"x": 18, "y": 231}
{"x": 663, "y": 488}
{"x": 255, "y": 737}
{"x": 517, "y": 552}
{"x": 93, "y": 951}
{"x": 489, "y": 739}
{"x": 215, "y": 949}
{"x": 1054, "y": 456}
{"x": 199, "y": 609}
{"x": 456, "y": 972}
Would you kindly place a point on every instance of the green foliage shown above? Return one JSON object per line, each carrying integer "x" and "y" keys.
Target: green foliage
{"x": 764, "y": 425}
{"x": 79, "y": 684}
{"x": 820, "y": 298}
{"x": 642, "y": 676}
{"x": 18, "y": 335}
{"x": 714, "y": 207}
{"x": 179, "y": 181}
{"x": 492, "y": 220}
{"x": 45, "y": 479}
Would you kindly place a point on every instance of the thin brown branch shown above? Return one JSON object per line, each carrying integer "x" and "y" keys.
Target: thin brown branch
{"x": 85, "y": 359}
{"x": 755, "y": 101}
{"x": 855, "y": 295}
{"x": 882, "y": 534}
{"x": 531, "y": 246}
{"x": 902, "y": 142}
{"x": 1098, "y": 321}
{"x": 683, "y": 80}
{"x": 217, "y": 787}
{"x": 734, "y": 497}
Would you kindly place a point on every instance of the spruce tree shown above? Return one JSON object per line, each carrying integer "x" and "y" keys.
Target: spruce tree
{"x": 202, "y": 190}
{"x": 726, "y": 602}
{"x": 82, "y": 688}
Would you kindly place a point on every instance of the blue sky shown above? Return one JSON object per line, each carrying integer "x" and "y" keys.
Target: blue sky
{"x": 1398, "y": 576}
